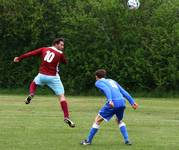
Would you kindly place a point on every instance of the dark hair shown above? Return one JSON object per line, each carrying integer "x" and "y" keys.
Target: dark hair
{"x": 100, "y": 73}
{"x": 57, "y": 41}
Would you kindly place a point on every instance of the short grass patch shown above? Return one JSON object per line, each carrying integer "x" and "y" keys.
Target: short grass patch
{"x": 40, "y": 126}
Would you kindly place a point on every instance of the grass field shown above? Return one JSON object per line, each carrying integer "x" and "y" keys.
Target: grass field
{"x": 40, "y": 126}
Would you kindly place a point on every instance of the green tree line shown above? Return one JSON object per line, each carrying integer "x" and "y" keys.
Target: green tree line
{"x": 138, "y": 48}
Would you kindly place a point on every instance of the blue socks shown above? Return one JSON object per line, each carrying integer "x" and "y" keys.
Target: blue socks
{"x": 95, "y": 127}
{"x": 123, "y": 130}
{"x": 92, "y": 132}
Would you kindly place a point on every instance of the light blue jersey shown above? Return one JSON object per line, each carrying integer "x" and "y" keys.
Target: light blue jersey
{"x": 113, "y": 91}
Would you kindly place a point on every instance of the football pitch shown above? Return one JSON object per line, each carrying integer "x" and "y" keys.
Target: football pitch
{"x": 40, "y": 126}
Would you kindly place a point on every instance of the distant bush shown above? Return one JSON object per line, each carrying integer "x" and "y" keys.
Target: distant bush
{"x": 140, "y": 49}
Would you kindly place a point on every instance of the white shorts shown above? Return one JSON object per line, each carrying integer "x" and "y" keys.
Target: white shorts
{"x": 54, "y": 82}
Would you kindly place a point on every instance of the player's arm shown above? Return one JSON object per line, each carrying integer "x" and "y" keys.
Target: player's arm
{"x": 28, "y": 54}
{"x": 63, "y": 59}
{"x": 106, "y": 90}
{"x": 128, "y": 97}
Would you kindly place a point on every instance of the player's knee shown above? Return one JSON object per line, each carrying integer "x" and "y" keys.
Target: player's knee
{"x": 98, "y": 121}
{"x": 62, "y": 98}
{"x": 118, "y": 121}
{"x": 95, "y": 125}
{"x": 121, "y": 124}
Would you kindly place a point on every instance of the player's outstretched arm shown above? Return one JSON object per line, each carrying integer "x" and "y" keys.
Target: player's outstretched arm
{"x": 28, "y": 54}
{"x": 16, "y": 59}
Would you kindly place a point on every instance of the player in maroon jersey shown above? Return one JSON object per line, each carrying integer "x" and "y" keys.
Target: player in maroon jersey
{"x": 48, "y": 75}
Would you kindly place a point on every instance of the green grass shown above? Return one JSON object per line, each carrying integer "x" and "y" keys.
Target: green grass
{"x": 40, "y": 126}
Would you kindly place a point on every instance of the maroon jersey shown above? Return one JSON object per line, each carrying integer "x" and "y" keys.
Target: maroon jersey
{"x": 50, "y": 59}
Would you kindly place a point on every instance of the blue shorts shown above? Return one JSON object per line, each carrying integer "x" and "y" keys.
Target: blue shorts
{"x": 107, "y": 112}
{"x": 53, "y": 82}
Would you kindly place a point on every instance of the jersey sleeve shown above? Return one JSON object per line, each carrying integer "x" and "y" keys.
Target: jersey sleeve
{"x": 105, "y": 89}
{"x": 31, "y": 53}
{"x": 126, "y": 95}
{"x": 63, "y": 59}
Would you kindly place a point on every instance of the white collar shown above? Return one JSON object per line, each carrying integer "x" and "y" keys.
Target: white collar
{"x": 55, "y": 49}
{"x": 102, "y": 79}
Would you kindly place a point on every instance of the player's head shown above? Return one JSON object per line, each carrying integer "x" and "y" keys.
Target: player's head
{"x": 58, "y": 43}
{"x": 100, "y": 73}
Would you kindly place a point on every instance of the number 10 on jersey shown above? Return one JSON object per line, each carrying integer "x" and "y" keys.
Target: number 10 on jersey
{"x": 49, "y": 56}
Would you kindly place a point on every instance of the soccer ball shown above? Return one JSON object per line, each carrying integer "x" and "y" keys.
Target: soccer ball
{"x": 133, "y": 4}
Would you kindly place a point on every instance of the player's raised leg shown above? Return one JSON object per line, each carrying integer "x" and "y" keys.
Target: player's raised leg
{"x": 32, "y": 90}
{"x": 33, "y": 87}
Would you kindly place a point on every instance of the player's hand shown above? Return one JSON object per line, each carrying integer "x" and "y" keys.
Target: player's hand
{"x": 111, "y": 104}
{"x": 135, "y": 106}
{"x": 16, "y": 59}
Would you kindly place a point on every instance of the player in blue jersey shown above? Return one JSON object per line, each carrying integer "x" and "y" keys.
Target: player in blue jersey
{"x": 115, "y": 105}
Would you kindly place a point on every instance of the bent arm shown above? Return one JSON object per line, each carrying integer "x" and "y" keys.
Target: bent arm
{"x": 105, "y": 89}
{"x": 63, "y": 59}
{"x": 126, "y": 95}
